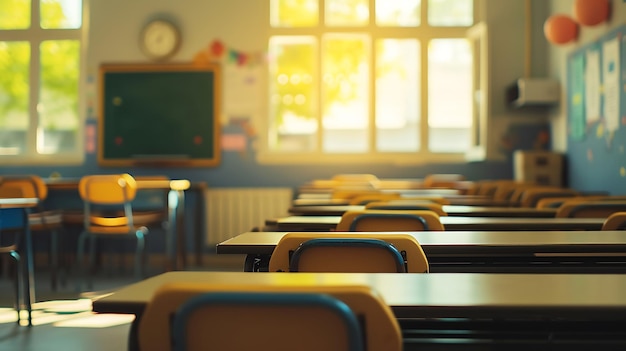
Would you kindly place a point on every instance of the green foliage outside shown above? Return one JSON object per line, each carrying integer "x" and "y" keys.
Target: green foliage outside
{"x": 59, "y": 67}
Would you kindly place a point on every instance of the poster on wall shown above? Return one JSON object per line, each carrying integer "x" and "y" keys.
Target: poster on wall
{"x": 595, "y": 94}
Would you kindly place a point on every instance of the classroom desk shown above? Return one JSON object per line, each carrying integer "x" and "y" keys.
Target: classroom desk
{"x": 457, "y": 311}
{"x": 22, "y": 207}
{"x": 176, "y": 249}
{"x": 460, "y": 200}
{"x": 328, "y": 223}
{"x": 480, "y": 252}
{"x": 451, "y": 210}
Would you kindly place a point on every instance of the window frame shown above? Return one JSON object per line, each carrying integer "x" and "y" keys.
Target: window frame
{"x": 35, "y": 35}
{"x": 425, "y": 34}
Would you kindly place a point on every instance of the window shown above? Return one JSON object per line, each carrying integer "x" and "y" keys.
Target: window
{"x": 40, "y": 60}
{"x": 369, "y": 80}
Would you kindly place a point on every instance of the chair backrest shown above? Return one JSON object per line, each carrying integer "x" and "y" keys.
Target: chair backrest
{"x": 365, "y": 199}
{"x": 31, "y": 186}
{"x": 615, "y": 221}
{"x": 107, "y": 189}
{"x": 389, "y": 220}
{"x": 111, "y": 193}
{"x": 243, "y": 327}
{"x": 407, "y": 206}
{"x": 300, "y": 321}
{"x": 415, "y": 260}
{"x": 359, "y": 255}
{"x": 442, "y": 180}
{"x": 589, "y": 209}
{"x": 529, "y": 197}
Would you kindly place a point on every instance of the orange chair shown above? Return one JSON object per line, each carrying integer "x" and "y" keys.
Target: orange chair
{"x": 589, "y": 209}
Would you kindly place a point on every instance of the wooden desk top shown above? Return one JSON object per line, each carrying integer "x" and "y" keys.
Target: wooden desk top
{"x": 451, "y": 210}
{"x": 18, "y": 202}
{"x": 464, "y": 242}
{"x": 427, "y": 295}
{"x": 327, "y": 223}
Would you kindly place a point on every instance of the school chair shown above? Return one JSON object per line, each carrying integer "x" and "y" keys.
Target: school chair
{"x": 407, "y": 206}
{"x": 342, "y": 252}
{"x": 389, "y": 220}
{"x": 367, "y": 198}
{"x": 615, "y": 221}
{"x": 108, "y": 213}
{"x": 40, "y": 219}
{"x": 443, "y": 180}
{"x": 530, "y": 196}
{"x": 589, "y": 209}
{"x": 10, "y": 249}
{"x": 252, "y": 319}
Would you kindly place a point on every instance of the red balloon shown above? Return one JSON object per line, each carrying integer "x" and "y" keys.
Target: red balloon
{"x": 560, "y": 29}
{"x": 591, "y": 12}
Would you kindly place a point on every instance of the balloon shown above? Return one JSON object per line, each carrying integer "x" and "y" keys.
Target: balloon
{"x": 560, "y": 29}
{"x": 591, "y": 12}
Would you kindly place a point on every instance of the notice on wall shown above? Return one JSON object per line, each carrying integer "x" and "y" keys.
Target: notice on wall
{"x": 592, "y": 86}
{"x": 611, "y": 74}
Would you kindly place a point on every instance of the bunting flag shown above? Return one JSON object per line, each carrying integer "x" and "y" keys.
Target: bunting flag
{"x": 216, "y": 51}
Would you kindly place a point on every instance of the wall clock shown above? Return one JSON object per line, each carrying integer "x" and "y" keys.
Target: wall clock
{"x": 160, "y": 39}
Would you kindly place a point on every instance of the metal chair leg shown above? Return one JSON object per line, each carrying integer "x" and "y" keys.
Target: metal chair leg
{"x": 139, "y": 256}
{"x": 18, "y": 284}
{"x": 79, "y": 261}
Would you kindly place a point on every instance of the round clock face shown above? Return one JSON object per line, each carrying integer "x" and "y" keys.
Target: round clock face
{"x": 160, "y": 39}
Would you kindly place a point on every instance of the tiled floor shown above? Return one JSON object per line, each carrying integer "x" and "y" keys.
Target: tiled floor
{"x": 62, "y": 318}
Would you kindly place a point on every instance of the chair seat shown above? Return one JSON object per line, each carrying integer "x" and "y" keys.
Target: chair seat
{"x": 140, "y": 218}
{"x": 121, "y": 230}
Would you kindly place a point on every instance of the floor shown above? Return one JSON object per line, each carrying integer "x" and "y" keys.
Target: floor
{"x": 62, "y": 318}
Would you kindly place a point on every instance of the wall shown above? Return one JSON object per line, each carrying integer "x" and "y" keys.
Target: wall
{"x": 596, "y": 161}
{"x": 113, "y": 38}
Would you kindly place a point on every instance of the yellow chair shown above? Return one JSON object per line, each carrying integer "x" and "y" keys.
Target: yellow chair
{"x": 365, "y": 199}
{"x": 589, "y": 209}
{"x": 108, "y": 212}
{"x": 530, "y": 196}
{"x": 40, "y": 219}
{"x": 264, "y": 326}
{"x": 448, "y": 181}
{"x": 615, "y": 221}
{"x": 403, "y": 205}
{"x": 359, "y": 260}
{"x": 389, "y": 220}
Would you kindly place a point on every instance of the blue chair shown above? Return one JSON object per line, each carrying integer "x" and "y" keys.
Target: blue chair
{"x": 347, "y": 255}
{"x": 282, "y": 321}
{"x": 10, "y": 247}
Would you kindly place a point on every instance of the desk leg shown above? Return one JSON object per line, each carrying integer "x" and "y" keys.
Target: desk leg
{"x": 29, "y": 281}
{"x": 181, "y": 245}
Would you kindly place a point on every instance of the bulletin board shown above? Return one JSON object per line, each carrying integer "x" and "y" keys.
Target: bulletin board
{"x": 159, "y": 114}
{"x": 596, "y": 77}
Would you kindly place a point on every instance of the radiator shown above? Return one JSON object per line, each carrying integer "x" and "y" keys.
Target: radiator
{"x": 232, "y": 211}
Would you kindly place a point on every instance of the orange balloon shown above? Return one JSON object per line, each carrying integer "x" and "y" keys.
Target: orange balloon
{"x": 560, "y": 29}
{"x": 591, "y": 12}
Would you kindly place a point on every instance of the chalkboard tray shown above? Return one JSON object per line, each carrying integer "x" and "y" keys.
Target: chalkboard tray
{"x": 159, "y": 115}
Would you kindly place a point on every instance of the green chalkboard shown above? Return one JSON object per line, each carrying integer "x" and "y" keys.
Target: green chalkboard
{"x": 159, "y": 114}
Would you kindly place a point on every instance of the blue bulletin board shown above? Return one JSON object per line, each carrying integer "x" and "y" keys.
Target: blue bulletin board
{"x": 596, "y": 81}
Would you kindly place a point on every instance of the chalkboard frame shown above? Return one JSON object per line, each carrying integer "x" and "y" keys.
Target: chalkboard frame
{"x": 211, "y": 159}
